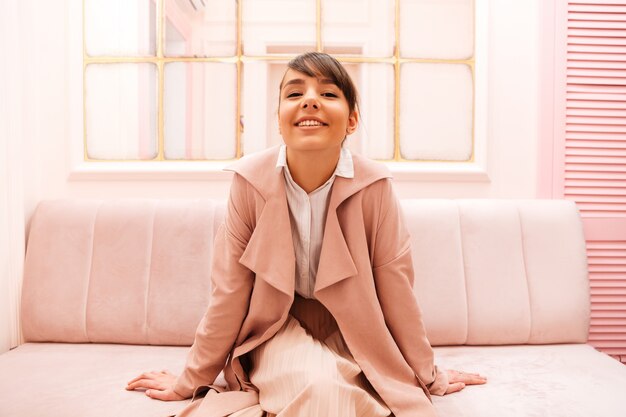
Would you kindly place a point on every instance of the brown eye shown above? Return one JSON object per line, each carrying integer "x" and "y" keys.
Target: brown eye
{"x": 330, "y": 95}
{"x": 293, "y": 95}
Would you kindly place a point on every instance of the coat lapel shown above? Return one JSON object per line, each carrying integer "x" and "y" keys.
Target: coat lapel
{"x": 336, "y": 262}
{"x": 270, "y": 252}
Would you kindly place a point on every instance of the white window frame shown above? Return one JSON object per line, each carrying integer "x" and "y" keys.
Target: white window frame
{"x": 477, "y": 170}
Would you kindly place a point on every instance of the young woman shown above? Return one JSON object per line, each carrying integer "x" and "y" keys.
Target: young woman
{"x": 312, "y": 311}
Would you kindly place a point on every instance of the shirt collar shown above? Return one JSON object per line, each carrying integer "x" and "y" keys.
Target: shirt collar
{"x": 345, "y": 166}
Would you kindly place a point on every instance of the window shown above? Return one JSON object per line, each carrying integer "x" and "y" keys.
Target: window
{"x": 198, "y": 79}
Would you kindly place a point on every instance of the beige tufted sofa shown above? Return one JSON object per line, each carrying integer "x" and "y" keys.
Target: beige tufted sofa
{"x": 113, "y": 288}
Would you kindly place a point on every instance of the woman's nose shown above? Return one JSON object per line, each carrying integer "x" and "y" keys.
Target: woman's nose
{"x": 309, "y": 102}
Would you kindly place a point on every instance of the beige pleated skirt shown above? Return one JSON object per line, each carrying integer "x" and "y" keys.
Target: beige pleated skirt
{"x": 306, "y": 370}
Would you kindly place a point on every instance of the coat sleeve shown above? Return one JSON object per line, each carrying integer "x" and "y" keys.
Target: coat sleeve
{"x": 393, "y": 275}
{"x": 231, "y": 285}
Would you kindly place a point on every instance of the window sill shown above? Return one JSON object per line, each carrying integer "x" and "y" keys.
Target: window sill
{"x": 438, "y": 171}
{"x": 150, "y": 171}
{"x": 212, "y": 171}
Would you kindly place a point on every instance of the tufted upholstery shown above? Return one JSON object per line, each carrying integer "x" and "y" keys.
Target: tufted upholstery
{"x": 138, "y": 271}
{"x": 499, "y": 272}
{"x": 128, "y": 274}
{"x": 132, "y": 271}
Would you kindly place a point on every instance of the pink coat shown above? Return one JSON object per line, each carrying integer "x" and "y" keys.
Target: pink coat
{"x": 365, "y": 279}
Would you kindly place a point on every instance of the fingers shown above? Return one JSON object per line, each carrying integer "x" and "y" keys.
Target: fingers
{"x": 476, "y": 380}
{"x": 472, "y": 379}
{"x": 146, "y": 383}
{"x": 158, "y": 385}
{"x": 468, "y": 373}
{"x": 466, "y": 377}
{"x": 166, "y": 395}
{"x": 456, "y": 387}
{"x": 157, "y": 395}
{"x": 145, "y": 375}
{"x": 154, "y": 375}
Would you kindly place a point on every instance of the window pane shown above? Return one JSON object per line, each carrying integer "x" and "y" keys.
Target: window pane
{"x": 200, "y": 110}
{"x": 201, "y": 28}
{"x": 358, "y": 27}
{"x": 440, "y": 29}
{"x": 260, "y": 93}
{"x": 278, "y": 26}
{"x": 120, "y": 106}
{"x": 120, "y": 27}
{"x": 374, "y": 137}
{"x": 436, "y": 102}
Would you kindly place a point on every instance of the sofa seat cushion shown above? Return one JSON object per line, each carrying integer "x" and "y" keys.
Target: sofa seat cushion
{"x": 83, "y": 380}
{"x": 566, "y": 380}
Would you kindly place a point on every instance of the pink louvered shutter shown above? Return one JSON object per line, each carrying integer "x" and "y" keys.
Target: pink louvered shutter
{"x": 590, "y": 157}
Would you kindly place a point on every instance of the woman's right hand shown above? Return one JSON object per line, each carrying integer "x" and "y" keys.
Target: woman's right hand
{"x": 158, "y": 385}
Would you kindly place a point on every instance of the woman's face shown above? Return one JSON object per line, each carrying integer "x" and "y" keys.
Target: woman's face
{"x": 313, "y": 113}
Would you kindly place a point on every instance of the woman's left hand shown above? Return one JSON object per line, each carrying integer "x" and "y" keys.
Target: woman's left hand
{"x": 457, "y": 380}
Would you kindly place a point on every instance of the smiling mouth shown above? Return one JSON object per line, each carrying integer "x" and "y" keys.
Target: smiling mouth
{"x": 310, "y": 123}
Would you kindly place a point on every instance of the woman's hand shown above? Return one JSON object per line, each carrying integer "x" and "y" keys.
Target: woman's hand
{"x": 158, "y": 385}
{"x": 457, "y": 380}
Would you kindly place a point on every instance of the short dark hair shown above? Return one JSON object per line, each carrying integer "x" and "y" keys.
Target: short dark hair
{"x": 318, "y": 64}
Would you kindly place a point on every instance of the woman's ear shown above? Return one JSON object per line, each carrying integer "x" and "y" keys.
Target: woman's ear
{"x": 353, "y": 122}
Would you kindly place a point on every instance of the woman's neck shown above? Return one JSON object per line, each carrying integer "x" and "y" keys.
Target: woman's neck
{"x": 311, "y": 169}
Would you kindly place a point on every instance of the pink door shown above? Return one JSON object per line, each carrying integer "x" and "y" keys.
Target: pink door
{"x": 583, "y": 145}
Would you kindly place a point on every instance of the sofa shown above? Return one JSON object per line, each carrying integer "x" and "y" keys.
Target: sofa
{"x": 114, "y": 288}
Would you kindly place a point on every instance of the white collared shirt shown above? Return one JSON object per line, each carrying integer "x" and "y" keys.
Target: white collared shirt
{"x": 307, "y": 214}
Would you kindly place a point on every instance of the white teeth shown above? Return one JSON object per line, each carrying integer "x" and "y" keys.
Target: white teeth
{"x": 309, "y": 123}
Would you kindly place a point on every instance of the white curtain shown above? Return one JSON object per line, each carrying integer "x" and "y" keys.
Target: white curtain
{"x": 11, "y": 184}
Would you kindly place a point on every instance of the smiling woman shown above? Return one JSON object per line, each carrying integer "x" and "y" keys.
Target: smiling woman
{"x": 317, "y": 110}
{"x": 312, "y": 105}
{"x": 314, "y": 263}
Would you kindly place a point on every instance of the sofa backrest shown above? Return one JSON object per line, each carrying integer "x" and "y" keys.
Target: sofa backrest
{"x": 122, "y": 271}
{"x": 138, "y": 271}
{"x": 492, "y": 272}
